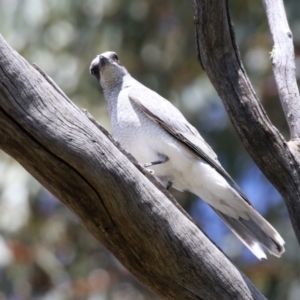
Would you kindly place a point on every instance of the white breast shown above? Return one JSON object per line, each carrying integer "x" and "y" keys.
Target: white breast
{"x": 147, "y": 141}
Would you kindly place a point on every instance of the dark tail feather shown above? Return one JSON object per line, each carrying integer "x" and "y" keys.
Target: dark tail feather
{"x": 254, "y": 233}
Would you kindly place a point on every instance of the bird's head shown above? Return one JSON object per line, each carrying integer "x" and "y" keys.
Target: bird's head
{"x": 107, "y": 69}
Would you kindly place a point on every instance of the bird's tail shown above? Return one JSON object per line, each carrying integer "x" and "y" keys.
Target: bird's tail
{"x": 254, "y": 233}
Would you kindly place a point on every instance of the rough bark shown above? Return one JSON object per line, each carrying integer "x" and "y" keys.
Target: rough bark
{"x": 283, "y": 61}
{"x": 116, "y": 200}
{"x": 219, "y": 56}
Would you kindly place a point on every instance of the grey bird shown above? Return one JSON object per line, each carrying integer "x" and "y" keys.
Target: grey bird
{"x": 158, "y": 136}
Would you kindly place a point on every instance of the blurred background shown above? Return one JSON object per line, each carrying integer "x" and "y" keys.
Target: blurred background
{"x": 45, "y": 253}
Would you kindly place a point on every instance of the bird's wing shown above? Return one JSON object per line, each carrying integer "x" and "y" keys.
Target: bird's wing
{"x": 170, "y": 118}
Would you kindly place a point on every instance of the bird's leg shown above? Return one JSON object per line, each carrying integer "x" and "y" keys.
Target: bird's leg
{"x": 169, "y": 185}
{"x": 157, "y": 162}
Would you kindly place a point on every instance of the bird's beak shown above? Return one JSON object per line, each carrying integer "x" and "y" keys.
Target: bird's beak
{"x": 102, "y": 61}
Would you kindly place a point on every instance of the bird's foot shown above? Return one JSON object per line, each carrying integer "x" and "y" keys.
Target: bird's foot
{"x": 157, "y": 162}
{"x": 150, "y": 171}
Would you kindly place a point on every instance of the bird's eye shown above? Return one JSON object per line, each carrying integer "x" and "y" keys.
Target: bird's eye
{"x": 115, "y": 57}
{"x": 95, "y": 70}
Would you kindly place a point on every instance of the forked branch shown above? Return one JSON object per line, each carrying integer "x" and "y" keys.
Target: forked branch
{"x": 219, "y": 56}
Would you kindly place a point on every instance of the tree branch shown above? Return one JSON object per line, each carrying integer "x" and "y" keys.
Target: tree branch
{"x": 219, "y": 55}
{"x": 117, "y": 201}
{"x": 283, "y": 61}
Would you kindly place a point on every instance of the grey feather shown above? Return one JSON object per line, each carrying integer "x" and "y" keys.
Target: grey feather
{"x": 178, "y": 127}
{"x": 251, "y": 234}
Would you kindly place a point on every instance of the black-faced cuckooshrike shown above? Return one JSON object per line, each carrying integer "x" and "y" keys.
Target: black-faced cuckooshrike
{"x": 158, "y": 135}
